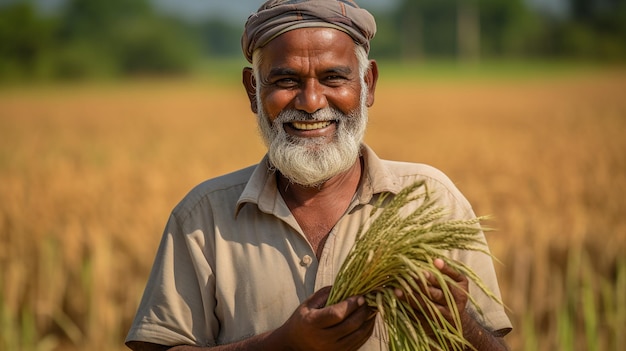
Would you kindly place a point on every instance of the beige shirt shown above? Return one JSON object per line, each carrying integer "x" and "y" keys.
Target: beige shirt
{"x": 234, "y": 263}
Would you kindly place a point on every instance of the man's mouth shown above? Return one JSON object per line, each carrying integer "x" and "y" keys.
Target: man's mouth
{"x": 310, "y": 125}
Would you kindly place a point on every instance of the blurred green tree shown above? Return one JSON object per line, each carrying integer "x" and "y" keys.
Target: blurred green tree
{"x": 219, "y": 38}
{"x": 465, "y": 29}
{"x": 90, "y": 38}
{"x": 24, "y": 40}
{"x": 120, "y": 37}
{"x": 507, "y": 28}
{"x": 596, "y": 29}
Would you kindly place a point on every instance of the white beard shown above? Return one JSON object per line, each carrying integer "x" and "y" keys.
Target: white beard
{"x": 312, "y": 161}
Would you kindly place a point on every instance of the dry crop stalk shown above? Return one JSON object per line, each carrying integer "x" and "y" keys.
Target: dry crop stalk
{"x": 396, "y": 252}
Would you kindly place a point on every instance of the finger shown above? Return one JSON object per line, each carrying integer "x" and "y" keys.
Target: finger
{"x": 319, "y": 298}
{"x": 436, "y": 295}
{"x": 429, "y": 289}
{"x": 458, "y": 288}
{"x": 417, "y": 299}
{"x": 361, "y": 316}
{"x": 334, "y": 314}
{"x": 431, "y": 285}
{"x": 449, "y": 271}
{"x": 356, "y": 337}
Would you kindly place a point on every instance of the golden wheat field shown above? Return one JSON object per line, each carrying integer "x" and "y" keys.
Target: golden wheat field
{"x": 90, "y": 172}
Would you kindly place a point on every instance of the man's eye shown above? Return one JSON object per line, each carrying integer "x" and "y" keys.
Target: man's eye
{"x": 286, "y": 82}
{"x": 332, "y": 80}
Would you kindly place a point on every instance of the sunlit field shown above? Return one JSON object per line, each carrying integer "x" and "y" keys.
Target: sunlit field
{"x": 90, "y": 172}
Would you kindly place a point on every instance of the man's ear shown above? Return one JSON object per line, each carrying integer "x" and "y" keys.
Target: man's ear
{"x": 371, "y": 78}
{"x": 249, "y": 83}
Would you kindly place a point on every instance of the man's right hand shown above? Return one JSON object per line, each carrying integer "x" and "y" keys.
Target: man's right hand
{"x": 314, "y": 326}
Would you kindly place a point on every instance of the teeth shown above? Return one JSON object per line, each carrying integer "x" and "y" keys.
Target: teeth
{"x": 311, "y": 126}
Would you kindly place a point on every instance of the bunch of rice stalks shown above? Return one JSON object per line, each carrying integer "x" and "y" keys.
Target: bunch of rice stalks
{"x": 397, "y": 252}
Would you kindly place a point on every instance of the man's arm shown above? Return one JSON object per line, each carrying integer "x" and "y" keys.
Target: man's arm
{"x": 313, "y": 326}
{"x": 481, "y": 338}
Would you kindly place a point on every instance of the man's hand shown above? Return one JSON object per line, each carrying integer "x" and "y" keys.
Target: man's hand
{"x": 473, "y": 332}
{"x": 433, "y": 290}
{"x": 343, "y": 326}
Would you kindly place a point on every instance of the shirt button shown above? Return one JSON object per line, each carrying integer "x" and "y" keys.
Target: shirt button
{"x": 306, "y": 261}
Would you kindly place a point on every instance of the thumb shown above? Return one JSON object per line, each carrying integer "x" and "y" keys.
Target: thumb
{"x": 319, "y": 298}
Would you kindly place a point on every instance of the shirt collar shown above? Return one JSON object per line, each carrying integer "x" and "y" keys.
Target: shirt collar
{"x": 262, "y": 189}
{"x": 377, "y": 177}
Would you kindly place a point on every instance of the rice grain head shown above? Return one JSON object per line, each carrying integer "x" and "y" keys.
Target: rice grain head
{"x": 397, "y": 251}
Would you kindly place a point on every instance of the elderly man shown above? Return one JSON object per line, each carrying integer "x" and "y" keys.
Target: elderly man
{"x": 246, "y": 259}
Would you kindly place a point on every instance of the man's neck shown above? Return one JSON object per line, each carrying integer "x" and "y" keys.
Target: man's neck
{"x": 318, "y": 209}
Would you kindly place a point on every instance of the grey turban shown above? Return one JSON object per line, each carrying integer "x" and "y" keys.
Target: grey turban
{"x": 276, "y": 17}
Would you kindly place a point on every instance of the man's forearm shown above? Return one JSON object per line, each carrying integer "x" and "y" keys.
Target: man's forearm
{"x": 481, "y": 338}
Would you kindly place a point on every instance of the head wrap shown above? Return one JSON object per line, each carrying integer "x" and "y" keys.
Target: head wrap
{"x": 276, "y": 17}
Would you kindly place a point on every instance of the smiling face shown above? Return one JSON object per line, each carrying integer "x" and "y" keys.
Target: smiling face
{"x": 311, "y": 93}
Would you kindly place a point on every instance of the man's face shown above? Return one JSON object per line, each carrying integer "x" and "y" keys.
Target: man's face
{"x": 311, "y": 103}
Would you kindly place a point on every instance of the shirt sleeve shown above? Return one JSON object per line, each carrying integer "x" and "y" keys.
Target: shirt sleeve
{"x": 177, "y": 307}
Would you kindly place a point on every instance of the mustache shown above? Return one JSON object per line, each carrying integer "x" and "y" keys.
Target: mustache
{"x": 325, "y": 114}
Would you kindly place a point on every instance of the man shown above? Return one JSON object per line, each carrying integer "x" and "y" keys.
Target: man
{"x": 246, "y": 259}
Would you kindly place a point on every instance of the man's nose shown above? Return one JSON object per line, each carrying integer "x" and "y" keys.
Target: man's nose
{"x": 311, "y": 97}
